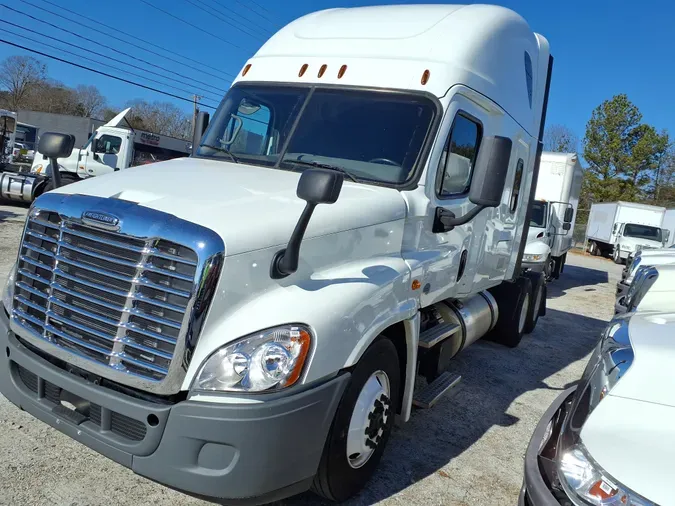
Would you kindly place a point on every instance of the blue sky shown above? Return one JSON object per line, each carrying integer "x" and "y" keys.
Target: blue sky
{"x": 601, "y": 47}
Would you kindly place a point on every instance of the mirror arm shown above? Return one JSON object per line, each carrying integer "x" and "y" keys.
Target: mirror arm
{"x": 55, "y": 173}
{"x": 285, "y": 261}
{"x": 445, "y": 220}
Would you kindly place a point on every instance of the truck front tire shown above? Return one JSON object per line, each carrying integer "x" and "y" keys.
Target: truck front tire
{"x": 514, "y": 300}
{"x": 616, "y": 255}
{"x": 362, "y": 424}
{"x": 538, "y": 299}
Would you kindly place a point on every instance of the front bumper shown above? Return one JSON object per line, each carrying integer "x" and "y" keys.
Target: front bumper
{"x": 536, "y": 490}
{"x": 235, "y": 453}
{"x": 534, "y": 266}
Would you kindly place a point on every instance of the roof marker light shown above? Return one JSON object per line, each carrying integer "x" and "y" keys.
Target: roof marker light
{"x": 322, "y": 70}
{"x": 342, "y": 71}
{"x": 425, "y": 77}
{"x": 303, "y": 69}
{"x": 246, "y": 69}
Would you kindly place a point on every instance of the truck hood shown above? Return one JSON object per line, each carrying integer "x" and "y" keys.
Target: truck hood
{"x": 634, "y": 242}
{"x": 533, "y": 232}
{"x": 631, "y": 433}
{"x": 250, "y": 207}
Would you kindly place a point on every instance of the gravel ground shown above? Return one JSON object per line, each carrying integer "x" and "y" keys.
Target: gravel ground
{"x": 467, "y": 450}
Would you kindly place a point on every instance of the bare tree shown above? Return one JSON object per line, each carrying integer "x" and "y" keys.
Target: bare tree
{"x": 160, "y": 118}
{"x": 19, "y": 75}
{"x": 90, "y": 101}
{"x": 560, "y": 139}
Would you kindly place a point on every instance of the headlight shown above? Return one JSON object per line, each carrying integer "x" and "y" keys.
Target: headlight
{"x": 584, "y": 479}
{"x": 269, "y": 360}
{"x": 533, "y": 257}
{"x": 8, "y": 291}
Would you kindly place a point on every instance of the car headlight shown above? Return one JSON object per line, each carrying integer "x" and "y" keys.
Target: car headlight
{"x": 533, "y": 257}
{"x": 8, "y": 291}
{"x": 268, "y": 360}
{"x": 582, "y": 478}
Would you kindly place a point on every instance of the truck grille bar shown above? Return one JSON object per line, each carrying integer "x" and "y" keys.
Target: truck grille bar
{"x": 121, "y": 301}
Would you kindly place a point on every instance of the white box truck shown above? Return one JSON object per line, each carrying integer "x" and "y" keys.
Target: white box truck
{"x": 112, "y": 147}
{"x": 246, "y": 324}
{"x": 555, "y": 207}
{"x": 622, "y": 228}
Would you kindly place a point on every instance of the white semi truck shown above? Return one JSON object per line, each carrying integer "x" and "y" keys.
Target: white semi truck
{"x": 112, "y": 147}
{"x": 622, "y": 228}
{"x": 246, "y": 324}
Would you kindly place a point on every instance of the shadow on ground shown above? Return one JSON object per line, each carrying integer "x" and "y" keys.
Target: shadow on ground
{"x": 493, "y": 377}
{"x": 8, "y": 215}
{"x": 574, "y": 276}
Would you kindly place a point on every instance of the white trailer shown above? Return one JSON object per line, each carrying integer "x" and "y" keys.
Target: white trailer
{"x": 621, "y": 228}
{"x": 555, "y": 207}
{"x": 247, "y": 323}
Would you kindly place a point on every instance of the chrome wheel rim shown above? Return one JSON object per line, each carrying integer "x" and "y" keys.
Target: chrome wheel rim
{"x": 523, "y": 313}
{"x": 369, "y": 419}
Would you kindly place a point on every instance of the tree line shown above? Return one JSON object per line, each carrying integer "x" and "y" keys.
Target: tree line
{"x": 625, "y": 158}
{"x": 25, "y": 84}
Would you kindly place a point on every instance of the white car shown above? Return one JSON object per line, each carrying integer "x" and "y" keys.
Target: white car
{"x": 609, "y": 440}
{"x": 660, "y": 256}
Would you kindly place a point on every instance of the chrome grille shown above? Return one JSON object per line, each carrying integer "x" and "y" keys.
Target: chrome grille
{"x": 122, "y": 301}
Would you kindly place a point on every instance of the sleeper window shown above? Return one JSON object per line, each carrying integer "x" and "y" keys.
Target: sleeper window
{"x": 517, "y": 180}
{"x": 459, "y": 156}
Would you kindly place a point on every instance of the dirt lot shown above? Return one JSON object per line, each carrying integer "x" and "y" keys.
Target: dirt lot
{"x": 467, "y": 450}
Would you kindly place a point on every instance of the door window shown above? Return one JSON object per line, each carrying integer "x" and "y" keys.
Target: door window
{"x": 517, "y": 181}
{"x": 459, "y": 156}
{"x": 108, "y": 145}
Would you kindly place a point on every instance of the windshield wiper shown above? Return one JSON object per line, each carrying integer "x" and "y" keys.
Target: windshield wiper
{"x": 221, "y": 150}
{"x": 321, "y": 165}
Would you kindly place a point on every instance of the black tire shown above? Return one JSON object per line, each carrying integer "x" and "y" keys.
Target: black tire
{"x": 616, "y": 255}
{"x": 557, "y": 267}
{"x": 511, "y": 299}
{"x": 538, "y": 299}
{"x": 336, "y": 479}
{"x": 593, "y": 249}
{"x": 66, "y": 178}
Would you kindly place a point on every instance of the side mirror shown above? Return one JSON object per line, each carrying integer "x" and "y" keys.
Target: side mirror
{"x": 487, "y": 184}
{"x": 567, "y": 219}
{"x": 489, "y": 174}
{"x": 566, "y": 226}
{"x": 55, "y": 146}
{"x": 201, "y": 123}
{"x": 316, "y": 186}
{"x": 320, "y": 186}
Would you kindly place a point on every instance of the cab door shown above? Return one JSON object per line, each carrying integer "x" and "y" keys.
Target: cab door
{"x": 108, "y": 154}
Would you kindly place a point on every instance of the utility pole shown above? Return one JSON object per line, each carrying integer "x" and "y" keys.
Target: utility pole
{"x": 195, "y": 100}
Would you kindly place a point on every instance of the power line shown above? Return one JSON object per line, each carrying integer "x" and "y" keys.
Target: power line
{"x": 100, "y": 54}
{"x": 225, "y": 20}
{"x": 101, "y": 63}
{"x": 109, "y": 48}
{"x": 102, "y": 73}
{"x": 232, "y": 12}
{"x": 144, "y": 42}
{"x": 191, "y": 24}
{"x": 256, "y": 12}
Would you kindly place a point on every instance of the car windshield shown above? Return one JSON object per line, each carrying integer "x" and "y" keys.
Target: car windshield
{"x": 370, "y": 135}
{"x": 538, "y": 215}
{"x": 642, "y": 232}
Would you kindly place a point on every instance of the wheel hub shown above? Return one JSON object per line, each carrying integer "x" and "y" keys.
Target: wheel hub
{"x": 369, "y": 419}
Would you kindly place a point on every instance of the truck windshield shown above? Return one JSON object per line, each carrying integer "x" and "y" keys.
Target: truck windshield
{"x": 642, "y": 232}
{"x": 538, "y": 215}
{"x": 371, "y": 135}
